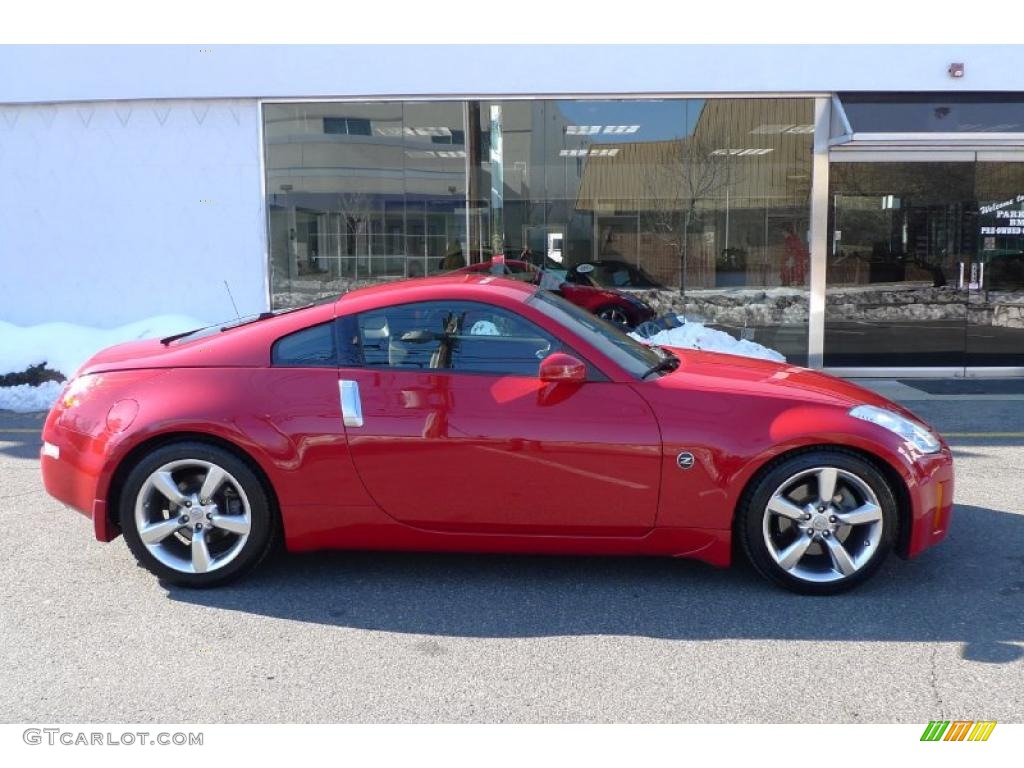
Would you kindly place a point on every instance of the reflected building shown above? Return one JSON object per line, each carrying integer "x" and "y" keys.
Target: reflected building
{"x": 702, "y": 194}
{"x": 717, "y": 200}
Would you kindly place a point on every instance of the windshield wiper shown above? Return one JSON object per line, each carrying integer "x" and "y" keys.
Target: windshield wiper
{"x": 668, "y": 362}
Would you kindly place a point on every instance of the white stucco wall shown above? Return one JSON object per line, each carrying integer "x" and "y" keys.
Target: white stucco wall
{"x": 48, "y": 73}
{"x": 101, "y": 219}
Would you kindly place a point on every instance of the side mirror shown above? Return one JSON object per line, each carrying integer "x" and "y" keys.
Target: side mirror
{"x": 560, "y": 368}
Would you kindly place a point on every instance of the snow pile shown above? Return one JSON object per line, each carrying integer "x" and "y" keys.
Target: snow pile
{"x": 64, "y": 347}
{"x": 692, "y": 335}
{"x": 24, "y": 398}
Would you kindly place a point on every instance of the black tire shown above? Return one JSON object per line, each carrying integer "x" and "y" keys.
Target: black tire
{"x": 263, "y": 532}
{"x": 610, "y": 309}
{"x": 751, "y": 521}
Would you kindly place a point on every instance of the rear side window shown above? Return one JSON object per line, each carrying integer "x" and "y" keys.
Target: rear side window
{"x": 310, "y": 347}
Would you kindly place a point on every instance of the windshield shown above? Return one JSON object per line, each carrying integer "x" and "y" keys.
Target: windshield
{"x": 611, "y": 274}
{"x": 629, "y": 353}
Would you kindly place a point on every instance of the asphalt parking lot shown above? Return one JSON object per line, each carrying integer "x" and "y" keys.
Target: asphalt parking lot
{"x": 86, "y": 636}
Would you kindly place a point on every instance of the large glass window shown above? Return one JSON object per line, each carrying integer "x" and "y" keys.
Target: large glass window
{"x": 710, "y": 198}
{"x": 362, "y": 192}
{"x": 926, "y": 266}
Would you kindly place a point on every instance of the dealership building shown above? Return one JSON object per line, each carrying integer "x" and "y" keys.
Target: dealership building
{"x": 858, "y": 208}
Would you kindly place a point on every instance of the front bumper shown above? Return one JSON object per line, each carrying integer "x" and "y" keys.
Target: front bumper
{"x": 931, "y": 502}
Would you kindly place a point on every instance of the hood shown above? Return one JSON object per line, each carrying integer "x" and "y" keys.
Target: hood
{"x": 764, "y": 378}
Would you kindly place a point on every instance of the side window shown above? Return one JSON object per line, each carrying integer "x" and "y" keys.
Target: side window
{"x": 463, "y": 337}
{"x": 405, "y": 336}
{"x": 312, "y": 346}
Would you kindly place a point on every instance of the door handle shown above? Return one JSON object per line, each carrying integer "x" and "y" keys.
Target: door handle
{"x": 351, "y": 403}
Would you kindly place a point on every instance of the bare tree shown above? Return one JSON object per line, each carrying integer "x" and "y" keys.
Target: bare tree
{"x": 355, "y": 210}
{"x": 688, "y": 172}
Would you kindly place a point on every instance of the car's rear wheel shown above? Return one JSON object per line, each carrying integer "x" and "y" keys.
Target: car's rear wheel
{"x": 819, "y": 522}
{"x": 196, "y": 515}
{"x": 614, "y": 315}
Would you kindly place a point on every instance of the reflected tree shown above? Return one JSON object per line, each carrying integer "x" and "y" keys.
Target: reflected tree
{"x": 355, "y": 209}
{"x": 690, "y": 172}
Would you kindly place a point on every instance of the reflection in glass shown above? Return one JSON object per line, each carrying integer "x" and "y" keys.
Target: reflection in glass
{"x": 934, "y": 112}
{"x": 362, "y": 191}
{"x": 901, "y": 235}
{"x": 995, "y": 309}
{"x": 927, "y": 265}
{"x": 709, "y": 197}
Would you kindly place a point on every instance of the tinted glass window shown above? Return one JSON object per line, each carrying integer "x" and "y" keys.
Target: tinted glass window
{"x": 308, "y": 347}
{"x": 463, "y": 337}
{"x": 934, "y": 112}
{"x": 708, "y": 196}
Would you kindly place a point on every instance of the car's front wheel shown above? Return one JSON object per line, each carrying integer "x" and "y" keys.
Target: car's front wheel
{"x": 819, "y": 522}
{"x": 196, "y": 515}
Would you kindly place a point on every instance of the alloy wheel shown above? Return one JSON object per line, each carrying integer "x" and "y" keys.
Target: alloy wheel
{"x": 193, "y": 516}
{"x": 822, "y": 524}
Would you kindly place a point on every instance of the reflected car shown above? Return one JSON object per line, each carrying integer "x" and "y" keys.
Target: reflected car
{"x": 618, "y": 307}
{"x": 609, "y": 273}
{"x": 477, "y": 414}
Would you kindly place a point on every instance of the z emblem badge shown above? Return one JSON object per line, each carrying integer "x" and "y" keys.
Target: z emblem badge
{"x": 684, "y": 460}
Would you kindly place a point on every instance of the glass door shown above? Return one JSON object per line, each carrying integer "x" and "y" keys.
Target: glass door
{"x": 902, "y": 234}
{"x": 994, "y": 279}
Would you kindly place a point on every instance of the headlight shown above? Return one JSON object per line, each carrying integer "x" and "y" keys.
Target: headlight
{"x": 916, "y": 434}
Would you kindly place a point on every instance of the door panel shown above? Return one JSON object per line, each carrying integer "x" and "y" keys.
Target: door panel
{"x": 490, "y": 453}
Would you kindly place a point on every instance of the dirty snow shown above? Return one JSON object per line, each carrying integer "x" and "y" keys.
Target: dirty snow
{"x": 64, "y": 347}
{"x": 692, "y": 335}
{"x": 24, "y": 398}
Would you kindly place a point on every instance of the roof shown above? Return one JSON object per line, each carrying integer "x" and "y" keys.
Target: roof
{"x": 462, "y": 286}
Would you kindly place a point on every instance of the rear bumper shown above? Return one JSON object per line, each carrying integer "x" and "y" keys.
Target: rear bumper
{"x": 71, "y": 465}
{"x": 931, "y": 497}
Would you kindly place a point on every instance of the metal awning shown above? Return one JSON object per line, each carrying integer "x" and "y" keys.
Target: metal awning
{"x": 932, "y": 120}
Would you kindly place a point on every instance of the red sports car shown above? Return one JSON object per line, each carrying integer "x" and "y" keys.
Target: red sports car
{"x": 617, "y": 307}
{"x": 471, "y": 413}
